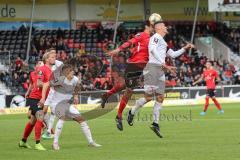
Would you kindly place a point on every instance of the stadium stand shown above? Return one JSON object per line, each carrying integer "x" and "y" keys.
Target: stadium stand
{"x": 90, "y": 45}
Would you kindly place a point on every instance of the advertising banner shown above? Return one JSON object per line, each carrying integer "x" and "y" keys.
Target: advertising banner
{"x": 224, "y": 5}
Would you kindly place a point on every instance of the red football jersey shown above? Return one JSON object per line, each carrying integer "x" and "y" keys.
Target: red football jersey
{"x": 44, "y": 74}
{"x": 36, "y": 92}
{"x": 140, "y": 48}
{"x": 210, "y": 77}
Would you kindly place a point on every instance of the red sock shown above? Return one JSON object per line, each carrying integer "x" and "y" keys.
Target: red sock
{"x": 27, "y": 131}
{"x": 118, "y": 87}
{"x": 38, "y": 130}
{"x": 122, "y": 105}
{"x": 217, "y": 104}
{"x": 206, "y": 104}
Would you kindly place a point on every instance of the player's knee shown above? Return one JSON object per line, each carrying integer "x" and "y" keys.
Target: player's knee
{"x": 128, "y": 93}
{"x": 40, "y": 115}
{"x": 45, "y": 109}
{"x": 29, "y": 115}
{"x": 160, "y": 98}
{"x": 79, "y": 119}
{"x": 148, "y": 97}
{"x": 32, "y": 120}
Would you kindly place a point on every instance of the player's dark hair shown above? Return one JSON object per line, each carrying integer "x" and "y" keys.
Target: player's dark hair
{"x": 157, "y": 22}
{"x": 67, "y": 67}
{"x": 147, "y": 23}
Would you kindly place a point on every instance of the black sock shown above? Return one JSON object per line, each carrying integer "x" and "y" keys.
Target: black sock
{"x": 24, "y": 140}
{"x": 38, "y": 141}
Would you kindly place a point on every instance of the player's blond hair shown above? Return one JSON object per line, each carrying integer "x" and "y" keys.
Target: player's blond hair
{"x": 47, "y": 53}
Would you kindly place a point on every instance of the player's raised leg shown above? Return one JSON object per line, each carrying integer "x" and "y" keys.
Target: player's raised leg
{"x": 116, "y": 88}
{"x": 124, "y": 100}
{"x": 156, "y": 113}
{"x": 138, "y": 105}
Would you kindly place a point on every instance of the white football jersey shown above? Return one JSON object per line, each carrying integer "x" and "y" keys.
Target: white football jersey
{"x": 157, "y": 49}
{"x": 56, "y": 73}
{"x": 65, "y": 91}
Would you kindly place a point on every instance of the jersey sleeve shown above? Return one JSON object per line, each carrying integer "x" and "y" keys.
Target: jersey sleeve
{"x": 175, "y": 54}
{"x": 131, "y": 42}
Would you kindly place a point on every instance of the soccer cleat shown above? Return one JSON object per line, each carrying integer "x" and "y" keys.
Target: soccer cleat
{"x": 202, "y": 113}
{"x": 55, "y": 146}
{"x": 155, "y": 128}
{"x": 130, "y": 118}
{"x": 94, "y": 144}
{"x": 119, "y": 123}
{"x": 47, "y": 135}
{"x": 24, "y": 145}
{"x": 221, "y": 111}
{"x": 39, "y": 147}
{"x": 104, "y": 98}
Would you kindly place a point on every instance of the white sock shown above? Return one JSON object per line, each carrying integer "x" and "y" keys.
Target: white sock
{"x": 139, "y": 103}
{"x": 86, "y": 131}
{"x": 50, "y": 122}
{"x": 58, "y": 130}
{"x": 156, "y": 111}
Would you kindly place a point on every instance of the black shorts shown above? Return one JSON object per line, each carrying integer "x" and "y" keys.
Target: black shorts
{"x": 33, "y": 105}
{"x": 211, "y": 92}
{"x": 133, "y": 74}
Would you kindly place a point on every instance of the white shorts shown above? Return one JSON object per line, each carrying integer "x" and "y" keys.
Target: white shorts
{"x": 154, "y": 79}
{"x": 49, "y": 97}
{"x": 66, "y": 110}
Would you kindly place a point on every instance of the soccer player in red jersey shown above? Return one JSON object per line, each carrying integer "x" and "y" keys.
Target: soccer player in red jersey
{"x": 210, "y": 75}
{"x": 136, "y": 62}
{"x": 40, "y": 82}
{"x": 33, "y": 76}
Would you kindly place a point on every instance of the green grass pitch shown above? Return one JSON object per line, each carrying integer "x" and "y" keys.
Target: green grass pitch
{"x": 212, "y": 137}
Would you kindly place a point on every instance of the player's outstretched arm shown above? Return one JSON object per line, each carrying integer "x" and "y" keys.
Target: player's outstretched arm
{"x": 177, "y": 53}
{"x": 125, "y": 45}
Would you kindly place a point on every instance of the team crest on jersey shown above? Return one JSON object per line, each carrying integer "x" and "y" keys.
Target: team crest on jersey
{"x": 40, "y": 73}
{"x": 155, "y": 40}
{"x": 138, "y": 35}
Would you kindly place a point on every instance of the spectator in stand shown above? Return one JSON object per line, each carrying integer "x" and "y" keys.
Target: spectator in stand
{"x": 18, "y": 63}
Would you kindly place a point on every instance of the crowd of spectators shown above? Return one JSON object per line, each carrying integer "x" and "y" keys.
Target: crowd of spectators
{"x": 229, "y": 36}
{"x": 95, "y": 71}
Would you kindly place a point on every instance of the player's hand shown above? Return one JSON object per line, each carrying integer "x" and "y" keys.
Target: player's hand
{"x": 26, "y": 95}
{"x": 172, "y": 70}
{"x": 188, "y": 46}
{"x": 75, "y": 100}
{"x": 41, "y": 102}
{"x": 113, "y": 52}
{"x": 194, "y": 83}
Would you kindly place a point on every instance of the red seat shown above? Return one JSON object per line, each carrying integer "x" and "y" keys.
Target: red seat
{"x": 76, "y": 45}
{"x": 70, "y": 45}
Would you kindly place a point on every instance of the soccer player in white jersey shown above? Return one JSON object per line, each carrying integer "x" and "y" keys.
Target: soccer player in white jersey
{"x": 68, "y": 87}
{"x": 154, "y": 77}
{"x": 50, "y": 119}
